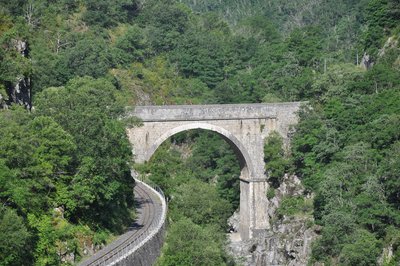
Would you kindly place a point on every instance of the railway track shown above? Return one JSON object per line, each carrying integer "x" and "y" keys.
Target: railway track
{"x": 149, "y": 209}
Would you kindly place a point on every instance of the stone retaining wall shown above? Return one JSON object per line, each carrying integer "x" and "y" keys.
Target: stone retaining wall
{"x": 148, "y": 253}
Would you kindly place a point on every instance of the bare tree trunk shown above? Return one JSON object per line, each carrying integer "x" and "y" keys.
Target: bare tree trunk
{"x": 29, "y": 15}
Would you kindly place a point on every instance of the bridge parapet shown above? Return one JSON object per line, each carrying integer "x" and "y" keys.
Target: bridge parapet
{"x": 214, "y": 112}
{"x": 141, "y": 246}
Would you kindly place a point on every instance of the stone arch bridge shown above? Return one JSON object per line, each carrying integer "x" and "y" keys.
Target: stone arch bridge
{"x": 243, "y": 126}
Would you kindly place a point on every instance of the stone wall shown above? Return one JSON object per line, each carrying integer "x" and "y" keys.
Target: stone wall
{"x": 142, "y": 246}
{"x": 283, "y": 111}
{"x": 148, "y": 253}
{"x": 244, "y": 126}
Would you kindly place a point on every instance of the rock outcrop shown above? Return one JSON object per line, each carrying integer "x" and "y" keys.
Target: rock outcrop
{"x": 19, "y": 92}
{"x": 366, "y": 61}
{"x": 18, "y": 88}
{"x": 288, "y": 242}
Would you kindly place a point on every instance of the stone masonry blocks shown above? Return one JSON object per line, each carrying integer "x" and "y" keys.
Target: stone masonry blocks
{"x": 243, "y": 126}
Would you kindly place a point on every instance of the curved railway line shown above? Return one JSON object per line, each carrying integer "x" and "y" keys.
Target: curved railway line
{"x": 151, "y": 212}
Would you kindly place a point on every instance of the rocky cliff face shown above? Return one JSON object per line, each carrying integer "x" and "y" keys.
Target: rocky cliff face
{"x": 289, "y": 240}
{"x": 18, "y": 90}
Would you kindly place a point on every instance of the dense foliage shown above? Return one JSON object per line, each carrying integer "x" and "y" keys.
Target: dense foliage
{"x": 276, "y": 163}
{"x": 63, "y": 167}
{"x": 202, "y": 184}
{"x": 64, "y": 171}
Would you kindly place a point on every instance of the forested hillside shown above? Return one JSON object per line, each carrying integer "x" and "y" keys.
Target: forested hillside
{"x": 68, "y": 68}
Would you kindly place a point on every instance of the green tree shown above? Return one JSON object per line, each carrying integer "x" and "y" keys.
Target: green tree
{"x": 390, "y": 172}
{"x": 276, "y": 164}
{"x": 337, "y": 231}
{"x": 201, "y": 203}
{"x": 89, "y": 56}
{"x": 307, "y": 50}
{"x": 166, "y": 21}
{"x": 214, "y": 161}
{"x": 191, "y": 244}
{"x": 260, "y": 29}
{"x": 38, "y": 152}
{"x": 201, "y": 56}
{"x": 377, "y": 19}
{"x": 131, "y": 46}
{"x": 14, "y": 238}
{"x": 116, "y": 11}
{"x": 88, "y": 110}
{"x": 364, "y": 250}
{"x": 166, "y": 169}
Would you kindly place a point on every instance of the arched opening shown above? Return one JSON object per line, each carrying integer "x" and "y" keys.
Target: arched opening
{"x": 237, "y": 146}
{"x": 239, "y": 152}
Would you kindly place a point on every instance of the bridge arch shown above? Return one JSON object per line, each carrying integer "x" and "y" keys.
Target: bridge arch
{"x": 237, "y": 146}
{"x": 243, "y": 126}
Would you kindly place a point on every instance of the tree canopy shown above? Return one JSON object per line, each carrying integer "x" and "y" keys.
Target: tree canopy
{"x": 64, "y": 164}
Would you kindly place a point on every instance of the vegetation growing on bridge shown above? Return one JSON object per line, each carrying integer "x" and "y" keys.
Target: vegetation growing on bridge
{"x": 62, "y": 167}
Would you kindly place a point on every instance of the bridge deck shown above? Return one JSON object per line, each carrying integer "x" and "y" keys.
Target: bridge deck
{"x": 148, "y": 209}
{"x": 213, "y": 111}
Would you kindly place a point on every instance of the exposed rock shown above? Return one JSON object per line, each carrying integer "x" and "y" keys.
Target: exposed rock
{"x": 67, "y": 256}
{"x": 18, "y": 90}
{"x": 58, "y": 212}
{"x": 289, "y": 243}
{"x": 233, "y": 222}
{"x": 184, "y": 150}
{"x": 387, "y": 255}
{"x": 291, "y": 186}
{"x": 244, "y": 252}
{"x": 289, "y": 240}
{"x": 3, "y": 104}
{"x": 366, "y": 61}
{"x": 391, "y": 43}
{"x": 89, "y": 249}
{"x": 21, "y": 46}
{"x": 142, "y": 97}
